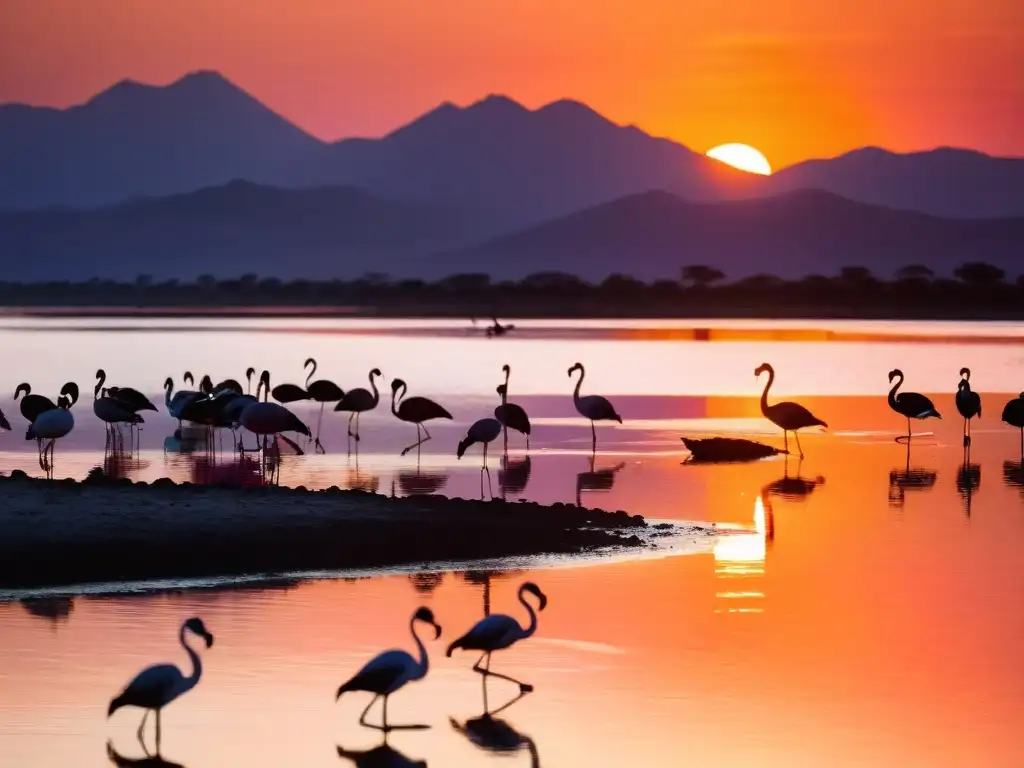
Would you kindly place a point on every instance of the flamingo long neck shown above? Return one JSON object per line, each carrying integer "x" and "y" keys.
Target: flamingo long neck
{"x": 395, "y": 397}
{"x": 892, "y": 392}
{"x": 100, "y": 380}
{"x": 423, "y": 663}
{"x": 532, "y": 627}
{"x": 376, "y": 394}
{"x": 576, "y": 392}
{"x": 197, "y": 663}
{"x": 767, "y": 386}
{"x": 248, "y": 383}
{"x": 311, "y": 372}
{"x": 168, "y": 389}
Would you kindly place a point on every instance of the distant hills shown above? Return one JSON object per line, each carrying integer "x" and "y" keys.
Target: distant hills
{"x": 228, "y": 231}
{"x": 651, "y": 235}
{"x": 510, "y": 166}
{"x": 345, "y": 232}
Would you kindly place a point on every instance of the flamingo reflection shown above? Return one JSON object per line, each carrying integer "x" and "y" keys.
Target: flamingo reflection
{"x": 54, "y": 609}
{"x": 1013, "y": 474}
{"x": 791, "y": 488}
{"x": 149, "y": 761}
{"x": 596, "y": 479}
{"x": 513, "y": 475}
{"x": 968, "y": 480}
{"x": 496, "y": 735}
{"x": 907, "y": 479}
{"x": 381, "y": 756}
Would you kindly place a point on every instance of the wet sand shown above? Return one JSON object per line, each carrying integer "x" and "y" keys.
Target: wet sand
{"x": 62, "y": 532}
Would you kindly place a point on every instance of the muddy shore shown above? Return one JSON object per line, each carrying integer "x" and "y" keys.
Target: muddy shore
{"x": 62, "y": 532}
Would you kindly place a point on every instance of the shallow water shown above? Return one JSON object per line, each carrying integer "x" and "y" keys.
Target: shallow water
{"x": 870, "y": 616}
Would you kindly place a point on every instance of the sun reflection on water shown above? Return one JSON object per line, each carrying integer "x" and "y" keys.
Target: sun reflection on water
{"x": 741, "y": 556}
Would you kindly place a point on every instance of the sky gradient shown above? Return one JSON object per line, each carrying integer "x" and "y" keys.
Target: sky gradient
{"x": 794, "y": 78}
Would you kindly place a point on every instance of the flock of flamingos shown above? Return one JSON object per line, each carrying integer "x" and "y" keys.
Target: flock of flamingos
{"x": 226, "y": 405}
{"x": 157, "y": 686}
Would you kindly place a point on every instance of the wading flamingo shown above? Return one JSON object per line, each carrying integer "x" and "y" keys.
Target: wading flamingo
{"x": 910, "y": 405}
{"x": 358, "y": 401}
{"x": 415, "y": 410}
{"x": 510, "y": 414}
{"x": 483, "y": 431}
{"x": 1013, "y": 414}
{"x": 321, "y": 391}
{"x": 593, "y": 407}
{"x": 787, "y": 416}
{"x": 968, "y": 403}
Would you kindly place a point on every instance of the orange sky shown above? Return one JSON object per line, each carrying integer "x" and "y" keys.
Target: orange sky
{"x": 795, "y": 78}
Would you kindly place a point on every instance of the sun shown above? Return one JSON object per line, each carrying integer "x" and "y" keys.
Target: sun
{"x": 742, "y": 156}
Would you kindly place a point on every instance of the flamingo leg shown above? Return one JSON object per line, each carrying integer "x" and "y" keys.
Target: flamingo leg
{"x": 358, "y": 414}
{"x": 593, "y": 437}
{"x": 419, "y": 440}
{"x": 799, "y": 449}
{"x": 362, "y": 717}
{"x": 158, "y": 731}
{"x": 319, "y": 446}
{"x": 785, "y": 441}
{"x": 142, "y": 728}
{"x": 967, "y": 433}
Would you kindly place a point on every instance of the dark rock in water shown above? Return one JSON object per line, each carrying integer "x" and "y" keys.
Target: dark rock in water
{"x": 715, "y": 449}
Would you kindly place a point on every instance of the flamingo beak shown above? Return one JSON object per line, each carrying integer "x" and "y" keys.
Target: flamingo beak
{"x": 437, "y": 628}
{"x": 209, "y": 640}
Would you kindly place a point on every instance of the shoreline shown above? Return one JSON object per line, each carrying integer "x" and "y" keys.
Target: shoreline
{"x": 58, "y": 533}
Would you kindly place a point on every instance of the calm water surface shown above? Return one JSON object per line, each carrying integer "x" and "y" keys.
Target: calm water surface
{"x": 870, "y": 615}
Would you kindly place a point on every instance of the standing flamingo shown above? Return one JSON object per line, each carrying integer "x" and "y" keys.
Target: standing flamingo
{"x": 113, "y": 410}
{"x": 1013, "y": 414}
{"x": 968, "y": 403}
{"x": 415, "y": 410}
{"x": 788, "y": 416}
{"x": 32, "y": 405}
{"x": 321, "y": 391}
{"x": 510, "y": 414}
{"x": 181, "y": 399}
{"x": 263, "y": 418}
{"x": 593, "y": 407}
{"x": 53, "y": 424}
{"x": 911, "y": 405}
{"x": 499, "y": 631}
{"x": 483, "y": 431}
{"x": 157, "y": 686}
{"x": 391, "y": 670}
{"x": 359, "y": 400}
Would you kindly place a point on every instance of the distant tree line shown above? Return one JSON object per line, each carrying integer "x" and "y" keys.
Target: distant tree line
{"x": 976, "y": 289}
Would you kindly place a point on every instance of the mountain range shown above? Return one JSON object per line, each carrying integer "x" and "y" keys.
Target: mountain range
{"x": 345, "y": 232}
{"x": 513, "y": 167}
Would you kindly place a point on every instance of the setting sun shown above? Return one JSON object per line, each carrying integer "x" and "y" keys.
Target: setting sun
{"x": 742, "y": 156}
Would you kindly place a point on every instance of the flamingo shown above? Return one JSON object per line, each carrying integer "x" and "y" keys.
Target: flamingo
{"x": 263, "y": 418}
{"x": 359, "y": 400}
{"x": 53, "y": 424}
{"x": 787, "y": 416}
{"x": 1013, "y": 414}
{"x": 176, "y": 404}
{"x": 415, "y": 410}
{"x": 111, "y": 411}
{"x": 593, "y": 407}
{"x": 389, "y": 671}
{"x": 968, "y": 403}
{"x": 288, "y": 393}
{"x": 499, "y": 631}
{"x": 321, "y": 391}
{"x": 134, "y": 400}
{"x": 32, "y": 405}
{"x": 483, "y": 431}
{"x": 510, "y": 414}
{"x": 911, "y": 405}
{"x": 157, "y": 686}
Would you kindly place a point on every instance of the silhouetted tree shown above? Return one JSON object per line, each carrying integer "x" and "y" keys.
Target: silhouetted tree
{"x": 915, "y": 272}
{"x": 856, "y": 276}
{"x": 701, "y": 275}
{"x": 466, "y": 283}
{"x": 979, "y": 273}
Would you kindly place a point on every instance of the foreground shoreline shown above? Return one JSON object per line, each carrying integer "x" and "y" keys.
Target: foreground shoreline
{"x": 63, "y": 532}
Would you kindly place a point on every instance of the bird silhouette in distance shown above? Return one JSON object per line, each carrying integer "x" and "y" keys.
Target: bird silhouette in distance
{"x": 968, "y": 403}
{"x": 157, "y": 686}
{"x": 907, "y": 479}
{"x": 483, "y": 431}
{"x": 496, "y": 735}
{"x": 497, "y": 329}
{"x": 381, "y": 756}
{"x": 910, "y": 405}
{"x": 1013, "y": 414}
{"x": 358, "y": 401}
{"x": 415, "y": 410}
{"x": 510, "y": 414}
{"x": 596, "y": 479}
{"x": 391, "y": 670}
{"x": 148, "y": 761}
{"x": 787, "y": 416}
{"x": 500, "y": 631}
{"x": 321, "y": 391}
{"x": 593, "y": 407}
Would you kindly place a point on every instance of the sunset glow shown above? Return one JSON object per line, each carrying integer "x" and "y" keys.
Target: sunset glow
{"x": 741, "y": 156}
{"x": 797, "y": 79}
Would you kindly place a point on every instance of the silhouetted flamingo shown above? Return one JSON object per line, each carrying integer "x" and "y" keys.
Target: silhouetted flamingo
{"x": 968, "y": 403}
{"x": 593, "y": 407}
{"x": 1013, "y": 414}
{"x": 415, "y": 410}
{"x": 359, "y": 400}
{"x": 321, "y": 391}
{"x": 788, "y": 416}
{"x": 910, "y": 405}
{"x": 510, "y": 414}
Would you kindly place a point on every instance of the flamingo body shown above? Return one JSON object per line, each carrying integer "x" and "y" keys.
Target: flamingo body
{"x": 51, "y": 425}
{"x": 787, "y": 416}
{"x": 1013, "y": 412}
{"x": 4, "y": 423}
{"x": 593, "y": 407}
{"x": 482, "y": 431}
{"x": 270, "y": 418}
{"x": 514, "y": 417}
{"x": 32, "y": 405}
